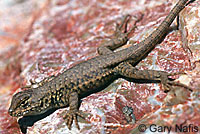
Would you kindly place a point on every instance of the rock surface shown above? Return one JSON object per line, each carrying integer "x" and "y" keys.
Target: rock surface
{"x": 54, "y": 35}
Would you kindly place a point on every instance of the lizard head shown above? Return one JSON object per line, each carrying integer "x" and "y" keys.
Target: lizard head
{"x": 27, "y": 103}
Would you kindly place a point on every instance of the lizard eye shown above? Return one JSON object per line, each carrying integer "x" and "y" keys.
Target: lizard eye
{"x": 23, "y": 101}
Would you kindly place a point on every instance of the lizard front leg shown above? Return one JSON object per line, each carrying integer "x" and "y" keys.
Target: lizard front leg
{"x": 73, "y": 112}
{"x": 119, "y": 38}
{"x": 126, "y": 70}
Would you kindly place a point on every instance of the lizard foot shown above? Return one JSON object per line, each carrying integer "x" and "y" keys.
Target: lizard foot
{"x": 121, "y": 30}
{"x": 168, "y": 82}
{"x": 120, "y": 36}
{"x": 72, "y": 115}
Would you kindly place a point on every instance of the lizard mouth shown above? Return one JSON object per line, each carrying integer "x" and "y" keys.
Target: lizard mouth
{"x": 20, "y": 113}
{"x": 17, "y": 114}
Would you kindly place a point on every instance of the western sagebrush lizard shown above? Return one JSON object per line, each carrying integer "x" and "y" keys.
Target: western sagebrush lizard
{"x": 95, "y": 74}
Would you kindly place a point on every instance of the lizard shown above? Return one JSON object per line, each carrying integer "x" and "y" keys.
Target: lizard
{"x": 93, "y": 75}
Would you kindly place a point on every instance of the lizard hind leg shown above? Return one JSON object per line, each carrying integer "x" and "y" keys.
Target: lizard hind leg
{"x": 126, "y": 70}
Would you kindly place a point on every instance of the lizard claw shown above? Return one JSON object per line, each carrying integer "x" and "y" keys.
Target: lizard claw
{"x": 168, "y": 83}
{"x": 119, "y": 32}
{"x": 72, "y": 115}
{"x": 124, "y": 24}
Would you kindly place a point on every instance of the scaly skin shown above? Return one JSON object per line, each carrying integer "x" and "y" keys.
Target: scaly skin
{"x": 95, "y": 74}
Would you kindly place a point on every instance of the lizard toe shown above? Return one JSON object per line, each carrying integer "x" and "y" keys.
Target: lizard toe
{"x": 72, "y": 116}
{"x": 168, "y": 83}
{"x": 68, "y": 119}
